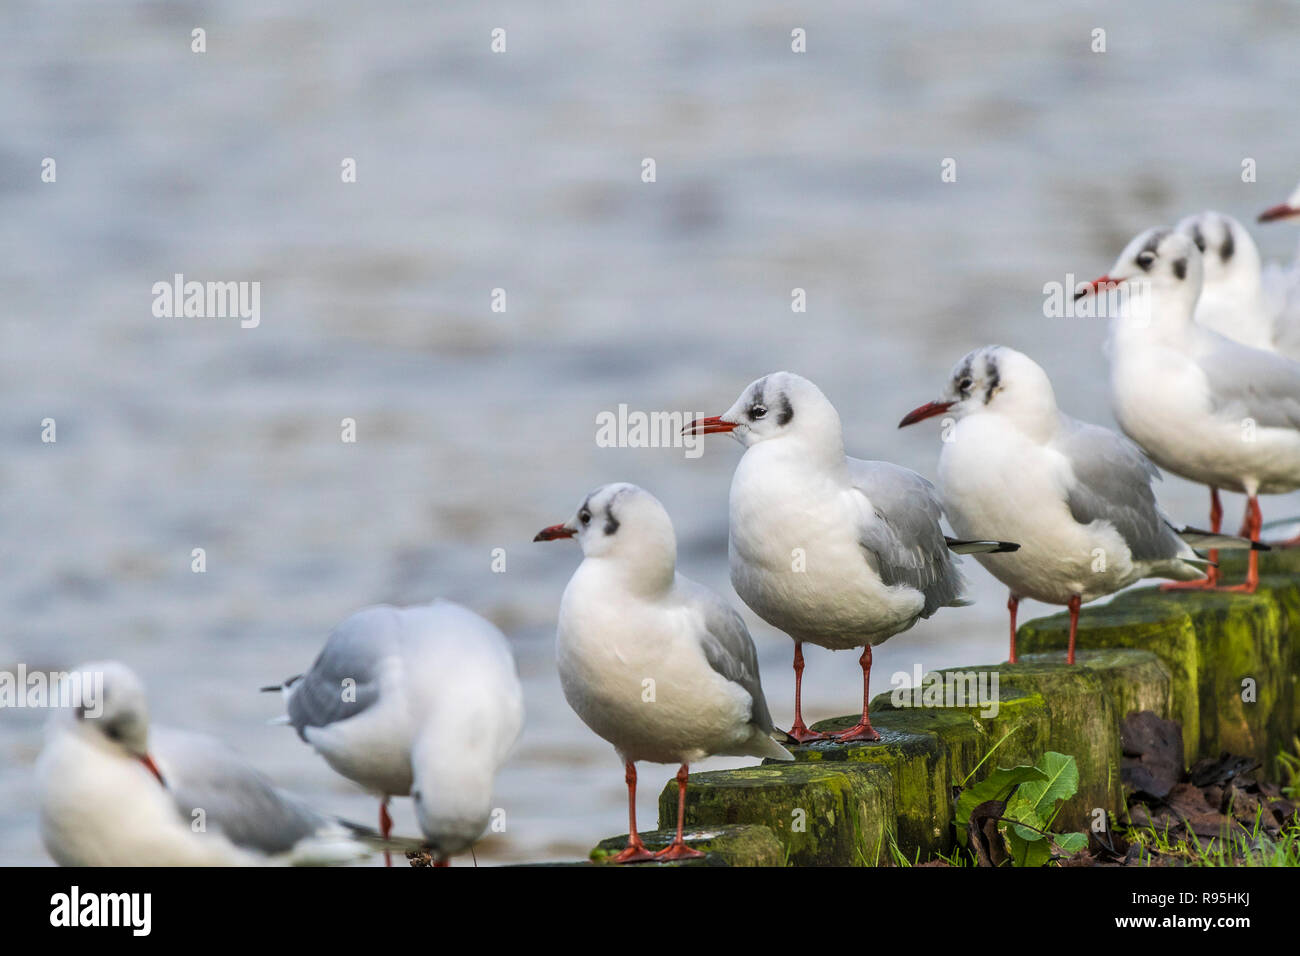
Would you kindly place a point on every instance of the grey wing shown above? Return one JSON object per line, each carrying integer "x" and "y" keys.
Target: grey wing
{"x": 906, "y": 545}
{"x": 350, "y": 661}
{"x": 234, "y": 798}
{"x": 729, "y": 648}
{"x": 1112, "y": 482}
{"x": 1249, "y": 383}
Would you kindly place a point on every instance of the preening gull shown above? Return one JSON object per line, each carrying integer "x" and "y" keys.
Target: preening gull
{"x": 415, "y": 700}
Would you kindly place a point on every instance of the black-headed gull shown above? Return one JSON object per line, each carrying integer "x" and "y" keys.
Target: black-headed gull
{"x": 1077, "y": 497}
{"x": 115, "y": 792}
{"x": 661, "y": 667}
{"x": 422, "y": 700}
{"x": 1232, "y": 300}
{"x": 834, "y": 551}
{"x": 1199, "y": 404}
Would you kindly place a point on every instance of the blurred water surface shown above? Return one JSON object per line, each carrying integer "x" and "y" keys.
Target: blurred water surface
{"x": 522, "y": 171}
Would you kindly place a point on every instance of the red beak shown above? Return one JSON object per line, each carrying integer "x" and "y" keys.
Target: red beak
{"x": 708, "y": 426}
{"x": 553, "y": 532}
{"x": 928, "y": 410}
{"x": 1282, "y": 211}
{"x": 153, "y": 768}
{"x": 1096, "y": 285}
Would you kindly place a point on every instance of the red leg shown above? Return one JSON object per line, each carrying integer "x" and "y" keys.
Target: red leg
{"x": 799, "y": 731}
{"x": 1013, "y": 603}
{"x": 1074, "y": 626}
{"x": 678, "y": 850}
{"x": 1254, "y": 521}
{"x": 1211, "y": 579}
{"x": 385, "y": 828}
{"x": 863, "y": 729}
{"x": 635, "y": 851}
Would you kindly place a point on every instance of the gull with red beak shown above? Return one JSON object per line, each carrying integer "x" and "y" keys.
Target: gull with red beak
{"x": 1198, "y": 404}
{"x": 1077, "y": 497}
{"x": 835, "y": 551}
{"x": 661, "y": 667}
{"x": 114, "y": 792}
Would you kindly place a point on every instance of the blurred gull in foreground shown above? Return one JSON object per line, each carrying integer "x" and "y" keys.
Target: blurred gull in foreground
{"x": 1200, "y": 405}
{"x": 420, "y": 700}
{"x": 835, "y": 551}
{"x": 661, "y": 667}
{"x": 114, "y": 792}
{"x": 1077, "y": 497}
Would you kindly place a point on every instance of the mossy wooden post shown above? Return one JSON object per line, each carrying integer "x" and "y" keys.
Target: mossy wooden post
{"x": 1231, "y": 658}
{"x": 839, "y": 815}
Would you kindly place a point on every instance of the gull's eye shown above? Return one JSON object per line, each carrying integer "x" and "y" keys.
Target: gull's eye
{"x": 1145, "y": 259}
{"x": 965, "y": 384}
{"x": 584, "y": 516}
{"x": 757, "y": 411}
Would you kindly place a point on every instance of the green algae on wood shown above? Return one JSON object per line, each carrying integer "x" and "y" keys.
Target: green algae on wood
{"x": 1220, "y": 650}
{"x": 822, "y": 814}
{"x": 721, "y": 845}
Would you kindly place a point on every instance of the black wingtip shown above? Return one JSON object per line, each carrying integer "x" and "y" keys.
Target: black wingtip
{"x": 274, "y": 687}
{"x": 1260, "y": 546}
{"x": 977, "y": 546}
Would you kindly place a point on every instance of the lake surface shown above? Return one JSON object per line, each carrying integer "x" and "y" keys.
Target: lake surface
{"x": 522, "y": 171}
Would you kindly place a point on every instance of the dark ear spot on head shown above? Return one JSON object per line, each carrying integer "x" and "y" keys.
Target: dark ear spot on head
{"x": 1228, "y": 248}
{"x": 611, "y": 523}
{"x": 1180, "y": 268}
{"x": 785, "y": 410}
{"x": 992, "y": 377}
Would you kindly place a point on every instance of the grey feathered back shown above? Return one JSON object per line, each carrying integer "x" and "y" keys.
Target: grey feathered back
{"x": 236, "y": 800}
{"x": 729, "y": 648}
{"x": 1249, "y": 383}
{"x": 907, "y": 545}
{"x": 1113, "y": 483}
{"x": 355, "y": 650}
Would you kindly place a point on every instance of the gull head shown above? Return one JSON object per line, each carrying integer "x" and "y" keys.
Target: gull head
{"x": 119, "y": 719}
{"x": 1228, "y": 253}
{"x": 992, "y": 378}
{"x": 619, "y": 519}
{"x": 1157, "y": 266}
{"x": 779, "y": 406}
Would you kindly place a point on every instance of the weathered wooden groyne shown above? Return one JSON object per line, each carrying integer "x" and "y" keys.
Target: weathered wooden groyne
{"x": 1224, "y": 665}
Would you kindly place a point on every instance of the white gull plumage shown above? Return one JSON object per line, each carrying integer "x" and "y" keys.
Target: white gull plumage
{"x": 1077, "y": 497}
{"x": 114, "y": 791}
{"x": 835, "y": 551}
{"x": 1198, "y": 404}
{"x": 422, "y": 700}
{"x": 658, "y": 665}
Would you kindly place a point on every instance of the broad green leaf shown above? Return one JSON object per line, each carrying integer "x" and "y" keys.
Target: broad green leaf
{"x": 1071, "y": 842}
{"x": 1027, "y": 852}
{"x": 1022, "y": 809}
{"x": 998, "y": 785}
{"x": 1059, "y": 782}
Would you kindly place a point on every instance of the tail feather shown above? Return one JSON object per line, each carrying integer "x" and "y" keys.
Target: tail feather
{"x": 957, "y": 546}
{"x": 765, "y": 746}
